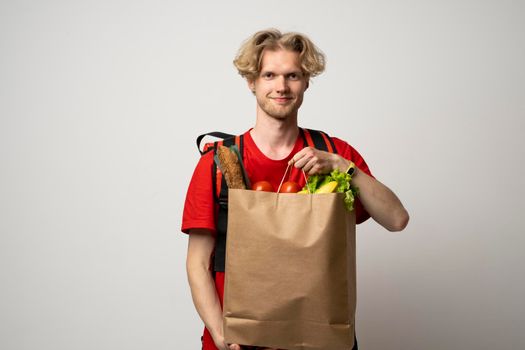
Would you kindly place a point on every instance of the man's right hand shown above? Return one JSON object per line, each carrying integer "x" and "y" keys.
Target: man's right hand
{"x": 222, "y": 345}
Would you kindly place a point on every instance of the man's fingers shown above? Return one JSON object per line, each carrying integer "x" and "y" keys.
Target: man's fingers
{"x": 311, "y": 167}
{"x": 301, "y": 162}
{"x": 235, "y": 347}
{"x": 306, "y": 152}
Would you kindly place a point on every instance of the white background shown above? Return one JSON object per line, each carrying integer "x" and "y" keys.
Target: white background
{"x": 100, "y": 104}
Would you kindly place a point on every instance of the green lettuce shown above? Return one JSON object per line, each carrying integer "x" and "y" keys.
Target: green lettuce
{"x": 343, "y": 186}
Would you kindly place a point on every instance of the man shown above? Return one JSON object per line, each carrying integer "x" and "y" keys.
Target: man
{"x": 277, "y": 68}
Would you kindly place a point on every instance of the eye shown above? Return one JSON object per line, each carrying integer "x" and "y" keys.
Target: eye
{"x": 267, "y": 75}
{"x": 293, "y": 76}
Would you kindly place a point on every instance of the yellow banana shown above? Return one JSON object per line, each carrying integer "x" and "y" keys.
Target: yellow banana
{"x": 327, "y": 188}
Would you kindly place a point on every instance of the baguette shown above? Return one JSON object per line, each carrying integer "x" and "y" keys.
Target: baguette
{"x": 230, "y": 167}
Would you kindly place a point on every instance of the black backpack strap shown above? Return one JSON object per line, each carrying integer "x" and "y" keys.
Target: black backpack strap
{"x": 318, "y": 139}
{"x": 222, "y": 215}
{"x": 218, "y": 134}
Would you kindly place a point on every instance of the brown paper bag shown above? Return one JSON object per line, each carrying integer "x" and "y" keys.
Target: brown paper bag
{"x": 290, "y": 271}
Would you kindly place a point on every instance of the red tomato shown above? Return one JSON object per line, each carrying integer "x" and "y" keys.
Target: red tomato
{"x": 262, "y": 186}
{"x": 290, "y": 187}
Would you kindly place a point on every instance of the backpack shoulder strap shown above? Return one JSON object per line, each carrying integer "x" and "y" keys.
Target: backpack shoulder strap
{"x": 220, "y": 190}
{"x": 207, "y": 147}
{"x": 319, "y": 140}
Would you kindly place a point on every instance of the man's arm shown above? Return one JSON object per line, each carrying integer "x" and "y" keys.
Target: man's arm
{"x": 379, "y": 201}
{"x": 200, "y": 248}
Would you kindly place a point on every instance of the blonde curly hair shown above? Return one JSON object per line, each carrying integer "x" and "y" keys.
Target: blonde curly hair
{"x": 249, "y": 58}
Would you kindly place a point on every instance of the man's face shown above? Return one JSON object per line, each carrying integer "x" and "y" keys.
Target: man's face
{"x": 280, "y": 86}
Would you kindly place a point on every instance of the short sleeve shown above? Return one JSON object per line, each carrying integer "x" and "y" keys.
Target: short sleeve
{"x": 199, "y": 206}
{"x": 350, "y": 153}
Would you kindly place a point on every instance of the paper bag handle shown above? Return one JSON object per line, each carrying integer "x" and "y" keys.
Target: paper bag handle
{"x": 284, "y": 176}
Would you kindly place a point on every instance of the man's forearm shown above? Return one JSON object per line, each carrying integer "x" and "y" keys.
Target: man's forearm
{"x": 205, "y": 299}
{"x": 380, "y": 202}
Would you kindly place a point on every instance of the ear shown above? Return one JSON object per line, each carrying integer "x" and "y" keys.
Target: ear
{"x": 251, "y": 85}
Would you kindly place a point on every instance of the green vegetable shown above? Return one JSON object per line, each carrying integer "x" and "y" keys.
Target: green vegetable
{"x": 343, "y": 186}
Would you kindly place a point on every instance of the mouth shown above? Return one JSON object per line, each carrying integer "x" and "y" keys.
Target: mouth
{"x": 281, "y": 99}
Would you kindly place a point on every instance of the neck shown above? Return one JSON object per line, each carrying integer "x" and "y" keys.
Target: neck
{"x": 275, "y": 137}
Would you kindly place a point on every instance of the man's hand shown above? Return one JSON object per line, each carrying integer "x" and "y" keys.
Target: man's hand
{"x": 222, "y": 345}
{"x": 379, "y": 201}
{"x": 313, "y": 161}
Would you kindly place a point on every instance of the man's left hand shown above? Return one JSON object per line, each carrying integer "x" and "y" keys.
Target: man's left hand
{"x": 313, "y": 161}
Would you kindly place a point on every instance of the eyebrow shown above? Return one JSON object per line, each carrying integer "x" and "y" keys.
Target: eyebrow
{"x": 298, "y": 72}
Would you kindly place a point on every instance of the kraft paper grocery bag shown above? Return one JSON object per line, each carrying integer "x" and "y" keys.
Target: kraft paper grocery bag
{"x": 290, "y": 271}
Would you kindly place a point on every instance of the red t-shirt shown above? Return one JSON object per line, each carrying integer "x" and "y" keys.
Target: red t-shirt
{"x": 200, "y": 207}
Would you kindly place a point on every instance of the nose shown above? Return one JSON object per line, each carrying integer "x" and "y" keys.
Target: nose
{"x": 281, "y": 85}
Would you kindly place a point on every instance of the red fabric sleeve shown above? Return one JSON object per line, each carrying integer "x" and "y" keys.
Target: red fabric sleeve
{"x": 199, "y": 207}
{"x": 350, "y": 153}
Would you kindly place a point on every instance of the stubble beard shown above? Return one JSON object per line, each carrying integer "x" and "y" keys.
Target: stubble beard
{"x": 279, "y": 112}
